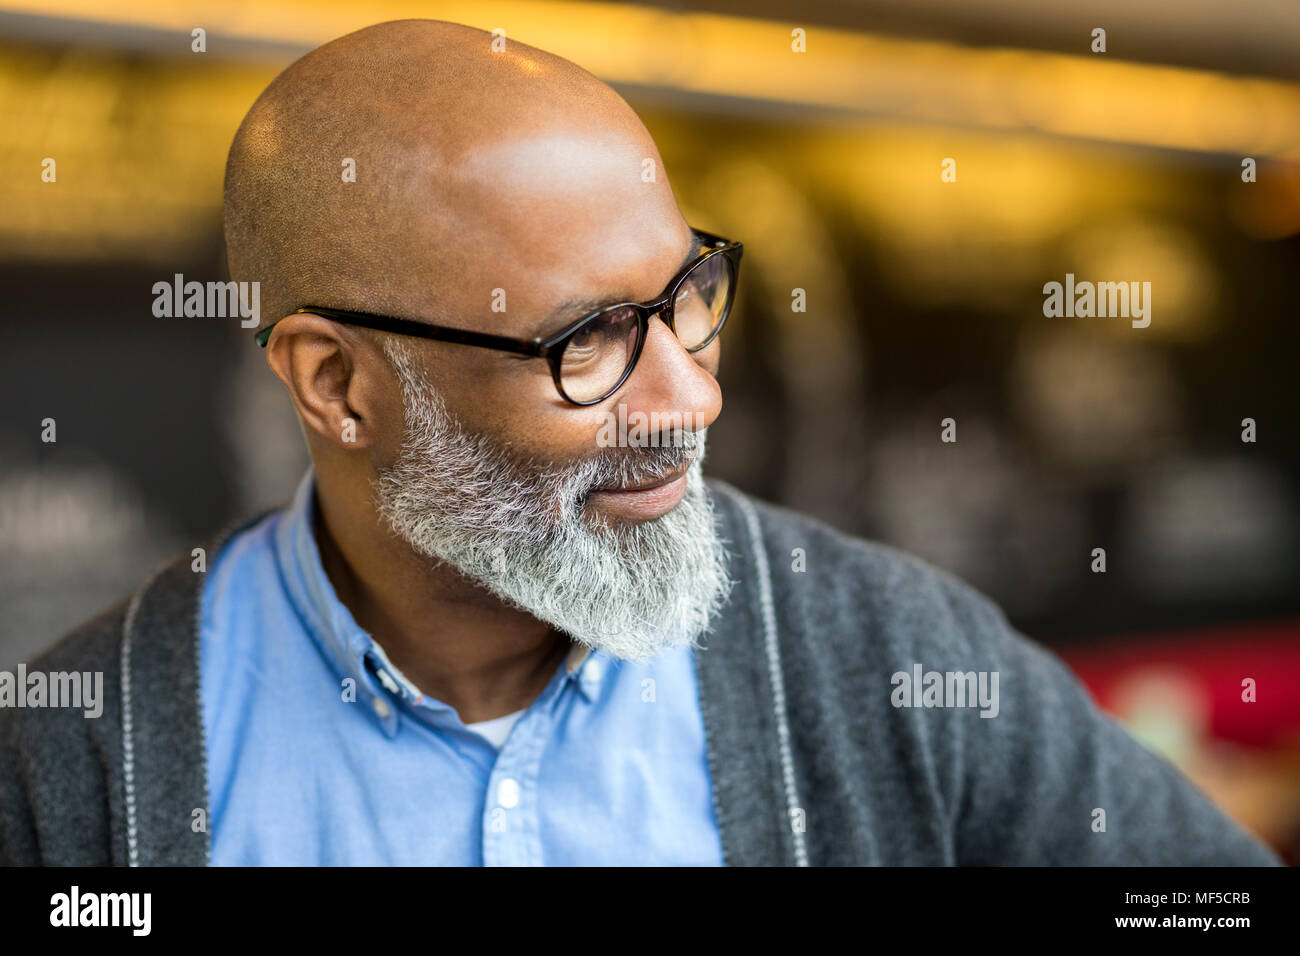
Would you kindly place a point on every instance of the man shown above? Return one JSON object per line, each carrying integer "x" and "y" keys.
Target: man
{"x": 491, "y": 629}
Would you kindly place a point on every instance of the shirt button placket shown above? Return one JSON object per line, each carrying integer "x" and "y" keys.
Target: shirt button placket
{"x": 510, "y": 824}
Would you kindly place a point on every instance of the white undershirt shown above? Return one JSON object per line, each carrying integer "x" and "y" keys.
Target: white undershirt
{"x": 497, "y": 729}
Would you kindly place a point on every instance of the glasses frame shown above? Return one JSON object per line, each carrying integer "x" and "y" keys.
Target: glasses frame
{"x": 551, "y": 347}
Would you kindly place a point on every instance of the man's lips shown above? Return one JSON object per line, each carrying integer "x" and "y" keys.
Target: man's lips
{"x": 645, "y": 501}
{"x": 647, "y": 485}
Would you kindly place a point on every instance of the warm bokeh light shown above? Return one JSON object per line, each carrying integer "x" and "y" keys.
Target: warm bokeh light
{"x": 91, "y": 110}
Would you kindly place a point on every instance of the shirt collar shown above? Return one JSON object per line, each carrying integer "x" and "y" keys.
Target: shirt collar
{"x": 376, "y": 684}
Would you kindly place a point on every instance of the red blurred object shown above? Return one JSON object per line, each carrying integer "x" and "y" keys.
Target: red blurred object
{"x": 1216, "y": 661}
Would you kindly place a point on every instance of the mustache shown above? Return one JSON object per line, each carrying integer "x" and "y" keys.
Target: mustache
{"x": 674, "y": 452}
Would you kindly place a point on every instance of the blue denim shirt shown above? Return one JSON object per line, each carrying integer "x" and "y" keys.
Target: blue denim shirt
{"x": 320, "y": 752}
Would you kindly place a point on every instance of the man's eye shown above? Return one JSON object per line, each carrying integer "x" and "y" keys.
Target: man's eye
{"x": 583, "y": 347}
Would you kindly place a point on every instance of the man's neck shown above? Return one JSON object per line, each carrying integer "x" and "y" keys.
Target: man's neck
{"x": 449, "y": 636}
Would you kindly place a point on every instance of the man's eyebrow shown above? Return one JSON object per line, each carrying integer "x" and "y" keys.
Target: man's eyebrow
{"x": 575, "y": 308}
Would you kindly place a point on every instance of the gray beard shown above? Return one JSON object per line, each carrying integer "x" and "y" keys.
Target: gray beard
{"x": 520, "y": 529}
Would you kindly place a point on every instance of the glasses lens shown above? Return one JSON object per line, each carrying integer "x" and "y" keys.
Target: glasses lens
{"x": 598, "y": 355}
{"x": 702, "y": 300}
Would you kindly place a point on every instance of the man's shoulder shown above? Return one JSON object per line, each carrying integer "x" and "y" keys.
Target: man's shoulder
{"x": 169, "y": 591}
{"x": 92, "y": 648}
{"x": 93, "y": 645}
{"x": 843, "y": 584}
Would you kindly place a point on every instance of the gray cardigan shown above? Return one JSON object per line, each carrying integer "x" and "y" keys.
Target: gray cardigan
{"x": 813, "y": 761}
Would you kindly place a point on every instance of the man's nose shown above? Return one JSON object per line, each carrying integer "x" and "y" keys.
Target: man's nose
{"x": 670, "y": 380}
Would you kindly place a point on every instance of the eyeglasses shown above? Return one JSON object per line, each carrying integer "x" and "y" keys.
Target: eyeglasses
{"x": 593, "y": 356}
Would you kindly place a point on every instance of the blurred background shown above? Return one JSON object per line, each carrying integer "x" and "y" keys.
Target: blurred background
{"x": 819, "y": 138}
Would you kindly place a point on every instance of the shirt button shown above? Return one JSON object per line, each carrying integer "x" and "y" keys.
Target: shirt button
{"x": 508, "y": 793}
{"x": 381, "y": 707}
{"x": 592, "y": 671}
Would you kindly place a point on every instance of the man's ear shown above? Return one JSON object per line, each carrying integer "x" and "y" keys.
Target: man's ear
{"x": 330, "y": 372}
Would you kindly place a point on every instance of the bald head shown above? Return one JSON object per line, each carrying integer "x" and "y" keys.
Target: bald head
{"x": 495, "y": 190}
{"x": 500, "y": 191}
{"x": 460, "y": 153}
